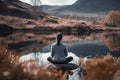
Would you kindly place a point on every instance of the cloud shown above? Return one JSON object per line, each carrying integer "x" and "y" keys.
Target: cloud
{"x": 54, "y": 2}
{"x": 58, "y": 2}
{"x": 27, "y": 1}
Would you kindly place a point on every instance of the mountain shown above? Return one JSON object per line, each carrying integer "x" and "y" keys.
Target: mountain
{"x": 84, "y": 8}
{"x": 93, "y": 6}
{"x": 19, "y": 9}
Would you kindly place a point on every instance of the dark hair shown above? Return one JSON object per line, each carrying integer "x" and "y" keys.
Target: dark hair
{"x": 59, "y": 37}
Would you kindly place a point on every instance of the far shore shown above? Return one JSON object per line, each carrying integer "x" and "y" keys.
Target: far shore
{"x": 8, "y": 23}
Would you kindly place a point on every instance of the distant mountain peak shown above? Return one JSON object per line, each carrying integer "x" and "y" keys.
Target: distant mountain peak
{"x": 95, "y": 5}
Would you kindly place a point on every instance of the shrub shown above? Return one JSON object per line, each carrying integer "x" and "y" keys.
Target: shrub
{"x": 112, "y": 19}
{"x": 103, "y": 68}
{"x": 12, "y": 69}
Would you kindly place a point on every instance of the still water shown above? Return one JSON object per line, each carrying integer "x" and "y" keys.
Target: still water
{"x": 105, "y": 44}
{"x": 81, "y": 44}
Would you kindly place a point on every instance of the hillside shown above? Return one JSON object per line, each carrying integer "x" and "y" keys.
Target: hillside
{"x": 93, "y": 6}
{"x": 84, "y": 8}
{"x": 18, "y": 9}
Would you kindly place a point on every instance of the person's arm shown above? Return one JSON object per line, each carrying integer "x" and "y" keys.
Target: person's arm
{"x": 52, "y": 51}
{"x": 66, "y": 51}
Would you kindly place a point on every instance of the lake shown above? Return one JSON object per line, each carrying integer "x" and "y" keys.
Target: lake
{"x": 81, "y": 44}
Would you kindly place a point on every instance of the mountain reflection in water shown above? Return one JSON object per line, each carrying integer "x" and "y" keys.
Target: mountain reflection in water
{"x": 94, "y": 44}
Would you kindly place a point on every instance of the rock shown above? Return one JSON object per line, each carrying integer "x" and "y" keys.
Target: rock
{"x": 5, "y": 30}
{"x": 19, "y": 9}
{"x": 52, "y": 21}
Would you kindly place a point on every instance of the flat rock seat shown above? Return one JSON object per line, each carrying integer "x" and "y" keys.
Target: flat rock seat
{"x": 64, "y": 67}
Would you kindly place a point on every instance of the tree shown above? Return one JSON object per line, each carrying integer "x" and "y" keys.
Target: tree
{"x": 37, "y": 6}
{"x": 112, "y": 19}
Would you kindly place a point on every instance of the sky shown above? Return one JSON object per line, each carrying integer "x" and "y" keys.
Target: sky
{"x": 54, "y": 2}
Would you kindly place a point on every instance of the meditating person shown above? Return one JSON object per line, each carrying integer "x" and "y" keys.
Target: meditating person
{"x": 59, "y": 52}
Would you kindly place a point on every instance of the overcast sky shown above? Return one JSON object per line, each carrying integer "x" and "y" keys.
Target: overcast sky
{"x": 54, "y": 2}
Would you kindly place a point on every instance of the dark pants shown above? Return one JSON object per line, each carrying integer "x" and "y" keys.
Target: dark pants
{"x": 65, "y": 62}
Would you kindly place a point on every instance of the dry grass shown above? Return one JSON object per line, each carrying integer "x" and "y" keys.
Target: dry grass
{"x": 50, "y": 22}
{"x": 12, "y": 69}
{"x": 12, "y": 21}
{"x": 17, "y": 22}
{"x": 105, "y": 68}
{"x": 112, "y": 19}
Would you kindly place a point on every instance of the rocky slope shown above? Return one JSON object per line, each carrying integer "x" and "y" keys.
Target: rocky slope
{"x": 18, "y": 9}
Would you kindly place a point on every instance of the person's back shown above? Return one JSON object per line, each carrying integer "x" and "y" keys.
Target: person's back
{"x": 59, "y": 52}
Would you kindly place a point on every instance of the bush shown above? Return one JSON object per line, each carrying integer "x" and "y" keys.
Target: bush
{"x": 104, "y": 68}
{"x": 112, "y": 19}
{"x": 12, "y": 69}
